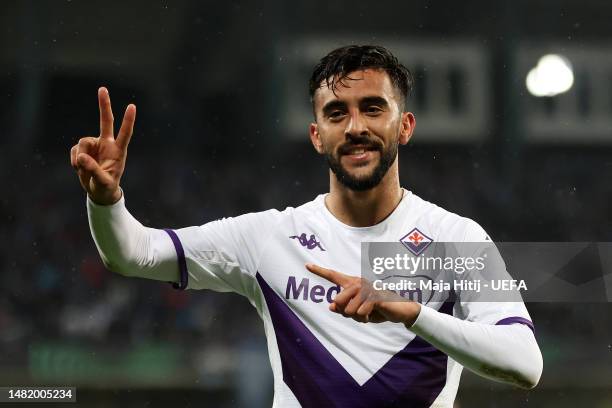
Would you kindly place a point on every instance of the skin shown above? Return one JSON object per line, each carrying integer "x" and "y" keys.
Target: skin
{"x": 100, "y": 161}
{"x": 366, "y": 106}
{"x": 383, "y": 122}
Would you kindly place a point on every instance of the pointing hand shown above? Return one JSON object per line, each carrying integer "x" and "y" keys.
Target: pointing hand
{"x": 360, "y": 301}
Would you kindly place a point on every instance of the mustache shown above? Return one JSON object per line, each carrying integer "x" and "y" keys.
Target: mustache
{"x": 367, "y": 142}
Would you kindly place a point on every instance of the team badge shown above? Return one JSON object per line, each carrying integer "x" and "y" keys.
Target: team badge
{"x": 415, "y": 241}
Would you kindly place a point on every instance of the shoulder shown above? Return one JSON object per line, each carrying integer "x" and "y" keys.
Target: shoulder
{"x": 308, "y": 210}
{"x": 266, "y": 221}
{"x": 447, "y": 226}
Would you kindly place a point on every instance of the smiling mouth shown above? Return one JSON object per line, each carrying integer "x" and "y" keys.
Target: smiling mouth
{"x": 360, "y": 155}
{"x": 358, "y": 150}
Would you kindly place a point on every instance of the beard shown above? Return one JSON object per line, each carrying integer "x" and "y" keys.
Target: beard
{"x": 367, "y": 182}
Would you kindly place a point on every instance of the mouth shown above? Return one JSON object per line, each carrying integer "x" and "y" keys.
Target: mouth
{"x": 359, "y": 153}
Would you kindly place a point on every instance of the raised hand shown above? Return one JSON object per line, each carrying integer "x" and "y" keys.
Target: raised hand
{"x": 359, "y": 300}
{"x": 100, "y": 161}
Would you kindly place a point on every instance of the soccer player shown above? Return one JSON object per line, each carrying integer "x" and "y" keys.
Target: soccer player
{"x": 332, "y": 342}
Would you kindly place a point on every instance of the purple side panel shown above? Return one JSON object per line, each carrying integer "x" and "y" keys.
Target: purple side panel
{"x": 309, "y": 370}
{"x": 301, "y": 383}
{"x": 516, "y": 319}
{"x": 416, "y": 374}
{"x": 182, "y": 263}
{"x": 413, "y": 377}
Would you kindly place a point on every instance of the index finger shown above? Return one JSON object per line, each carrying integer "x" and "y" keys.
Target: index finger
{"x": 329, "y": 274}
{"x": 106, "y": 113}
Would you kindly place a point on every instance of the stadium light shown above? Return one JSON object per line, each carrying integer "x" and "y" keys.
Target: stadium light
{"x": 552, "y": 76}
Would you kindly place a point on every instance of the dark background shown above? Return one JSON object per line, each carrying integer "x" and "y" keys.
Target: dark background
{"x": 218, "y": 85}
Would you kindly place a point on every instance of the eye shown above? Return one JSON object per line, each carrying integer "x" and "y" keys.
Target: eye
{"x": 336, "y": 115}
{"x": 373, "y": 110}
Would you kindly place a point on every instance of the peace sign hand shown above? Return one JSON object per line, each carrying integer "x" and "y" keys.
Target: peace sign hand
{"x": 361, "y": 302}
{"x": 100, "y": 161}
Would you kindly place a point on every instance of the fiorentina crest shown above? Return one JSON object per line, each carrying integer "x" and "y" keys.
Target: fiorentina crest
{"x": 416, "y": 241}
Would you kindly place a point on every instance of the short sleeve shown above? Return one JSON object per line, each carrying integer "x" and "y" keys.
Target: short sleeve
{"x": 223, "y": 255}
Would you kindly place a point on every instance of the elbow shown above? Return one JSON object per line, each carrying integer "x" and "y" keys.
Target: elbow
{"x": 523, "y": 372}
{"x": 530, "y": 377}
{"x": 528, "y": 382}
{"x": 528, "y": 364}
{"x": 527, "y": 372}
{"x": 118, "y": 268}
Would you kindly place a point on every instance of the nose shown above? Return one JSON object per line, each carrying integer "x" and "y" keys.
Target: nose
{"x": 356, "y": 126}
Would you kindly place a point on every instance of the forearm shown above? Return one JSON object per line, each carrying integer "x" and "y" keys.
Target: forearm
{"x": 506, "y": 353}
{"x": 129, "y": 248}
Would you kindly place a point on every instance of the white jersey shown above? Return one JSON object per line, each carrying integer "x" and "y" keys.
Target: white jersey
{"x": 320, "y": 358}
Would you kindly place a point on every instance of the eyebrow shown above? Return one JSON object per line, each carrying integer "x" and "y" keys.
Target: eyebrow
{"x": 366, "y": 101}
{"x": 374, "y": 100}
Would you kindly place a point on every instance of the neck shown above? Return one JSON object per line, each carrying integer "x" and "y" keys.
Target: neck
{"x": 364, "y": 208}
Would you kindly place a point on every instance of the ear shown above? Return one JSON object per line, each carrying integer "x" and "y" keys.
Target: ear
{"x": 315, "y": 138}
{"x": 407, "y": 127}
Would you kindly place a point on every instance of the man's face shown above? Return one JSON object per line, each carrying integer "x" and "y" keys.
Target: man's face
{"x": 359, "y": 126}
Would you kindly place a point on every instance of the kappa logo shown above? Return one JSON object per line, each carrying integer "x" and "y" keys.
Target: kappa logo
{"x": 310, "y": 243}
{"x": 415, "y": 241}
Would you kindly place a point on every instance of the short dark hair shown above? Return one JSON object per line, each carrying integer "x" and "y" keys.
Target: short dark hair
{"x": 338, "y": 64}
